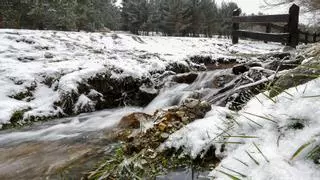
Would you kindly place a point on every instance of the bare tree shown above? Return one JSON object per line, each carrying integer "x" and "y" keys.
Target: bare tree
{"x": 309, "y": 5}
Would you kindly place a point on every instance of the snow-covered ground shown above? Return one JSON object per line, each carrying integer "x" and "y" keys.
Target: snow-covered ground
{"x": 274, "y": 138}
{"x": 37, "y": 67}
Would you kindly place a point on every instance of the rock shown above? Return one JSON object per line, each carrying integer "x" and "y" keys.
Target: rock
{"x": 188, "y": 78}
{"x": 171, "y": 117}
{"x": 84, "y": 105}
{"x": 239, "y": 69}
{"x": 275, "y": 56}
{"x": 164, "y": 135}
{"x": 224, "y": 60}
{"x": 222, "y": 80}
{"x": 67, "y": 102}
{"x": 104, "y": 30}
{"x": 133, "y": 120}
{"x": 178, "y": 67}
{"x": 278, "y": 65}
{"x": 287, "y": 49}
{"x": 254, "y": 64}
{"x": 235, "y": 98}
{"x": 191, "y": 103}
{"x": 257, "y": 73}
{"x": 280, "y": 56}
{"x": 120, "y": 91}
{"x": 162, "y": 126}
{"x": 115, "y": 36}
{"x": 195, "y": 109}
{"x": 48, "y": 55}
{"x": 95, "y": 95}
{"x": 202, "y": 59}
{"x": 300, "y": 75}
{"x": 26, "y": 59}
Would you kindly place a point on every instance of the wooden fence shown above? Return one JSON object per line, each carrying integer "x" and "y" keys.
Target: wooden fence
{"x": 289, "y": 33}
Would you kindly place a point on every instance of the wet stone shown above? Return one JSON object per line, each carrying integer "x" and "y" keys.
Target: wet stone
{"x": 239, "y": 69}
{"x": 188, "y": 78}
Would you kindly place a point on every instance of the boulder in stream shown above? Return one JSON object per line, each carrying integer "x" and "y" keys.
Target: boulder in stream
{"x": 239, "y": 69}
{"x": 188, "y": 78}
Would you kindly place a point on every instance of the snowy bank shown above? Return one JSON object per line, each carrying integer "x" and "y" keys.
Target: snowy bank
{"x": 43, "y": 73}
{"x": 274, "y": 138}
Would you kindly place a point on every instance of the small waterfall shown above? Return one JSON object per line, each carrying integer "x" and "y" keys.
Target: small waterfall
{"x": 67, "y": 140}
{"x": 207, "y": 85}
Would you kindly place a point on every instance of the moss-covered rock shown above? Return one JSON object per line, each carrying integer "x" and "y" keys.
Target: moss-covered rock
{"x": 134, "y": 120}
{"x": 305, "y": 72}
{"x": 16, "y": 119}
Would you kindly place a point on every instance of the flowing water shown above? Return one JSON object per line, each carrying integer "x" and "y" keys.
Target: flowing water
{"x": 66, "y": 148}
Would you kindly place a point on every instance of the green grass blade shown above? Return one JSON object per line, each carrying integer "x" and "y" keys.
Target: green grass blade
{"x": 230, "y": 142}
{"x": 244, "y": 137}
{"x": 261, "y": 152}
{"x": 262, "y": 117}
{"x": 305, "y": 88}
{"x": 242, "y": 175}
{"x": 300, "y": 149}
{"x": 252, "y": 121}
{"x": 233, "y": 119}
{"x": 229, "y": 175}
{"x": 314, "y": 151}
{"x": 315, "y": 96}
{"x": 254, "y": 160}
{"x": 270, "y": 98}
{"x": 241, "y": 162}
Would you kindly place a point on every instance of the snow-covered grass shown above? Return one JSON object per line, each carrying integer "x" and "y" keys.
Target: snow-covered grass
{"x": 267, "y": 139}
{"x": 38, "y": 67}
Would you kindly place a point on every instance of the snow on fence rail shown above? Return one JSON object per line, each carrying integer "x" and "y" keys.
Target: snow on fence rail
{"x": 290, "y": 34}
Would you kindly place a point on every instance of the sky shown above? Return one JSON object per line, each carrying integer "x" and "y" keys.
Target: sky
{"x": 247, "y": 6}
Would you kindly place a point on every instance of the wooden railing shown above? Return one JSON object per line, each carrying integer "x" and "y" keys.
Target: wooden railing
{"x": 307, "y": 37}
{"x": 289, "y": 33}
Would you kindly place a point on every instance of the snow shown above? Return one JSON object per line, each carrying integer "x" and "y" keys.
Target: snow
{"x": 84, "y": 103}
{"x": 68, "y": 58}
{"x": 198, "y": 136}
{"x": 262, "y": 125}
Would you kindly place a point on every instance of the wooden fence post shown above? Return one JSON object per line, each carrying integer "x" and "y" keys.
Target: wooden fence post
{"x": 235, "y": 27}
{"x": 268, "y": 30}
{"x": 293, "y": 26}
{"x": 1, "y": 21}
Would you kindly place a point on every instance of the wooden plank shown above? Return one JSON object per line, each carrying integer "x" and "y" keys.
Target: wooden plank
{"x": 278, "y": 27}
{"x": 262, "y": 19}
{"x": 273, "y": 26}
{"x": 274, "y": 37}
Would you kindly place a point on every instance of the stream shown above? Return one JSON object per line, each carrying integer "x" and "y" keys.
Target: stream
{"x": 69, "y": 147}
